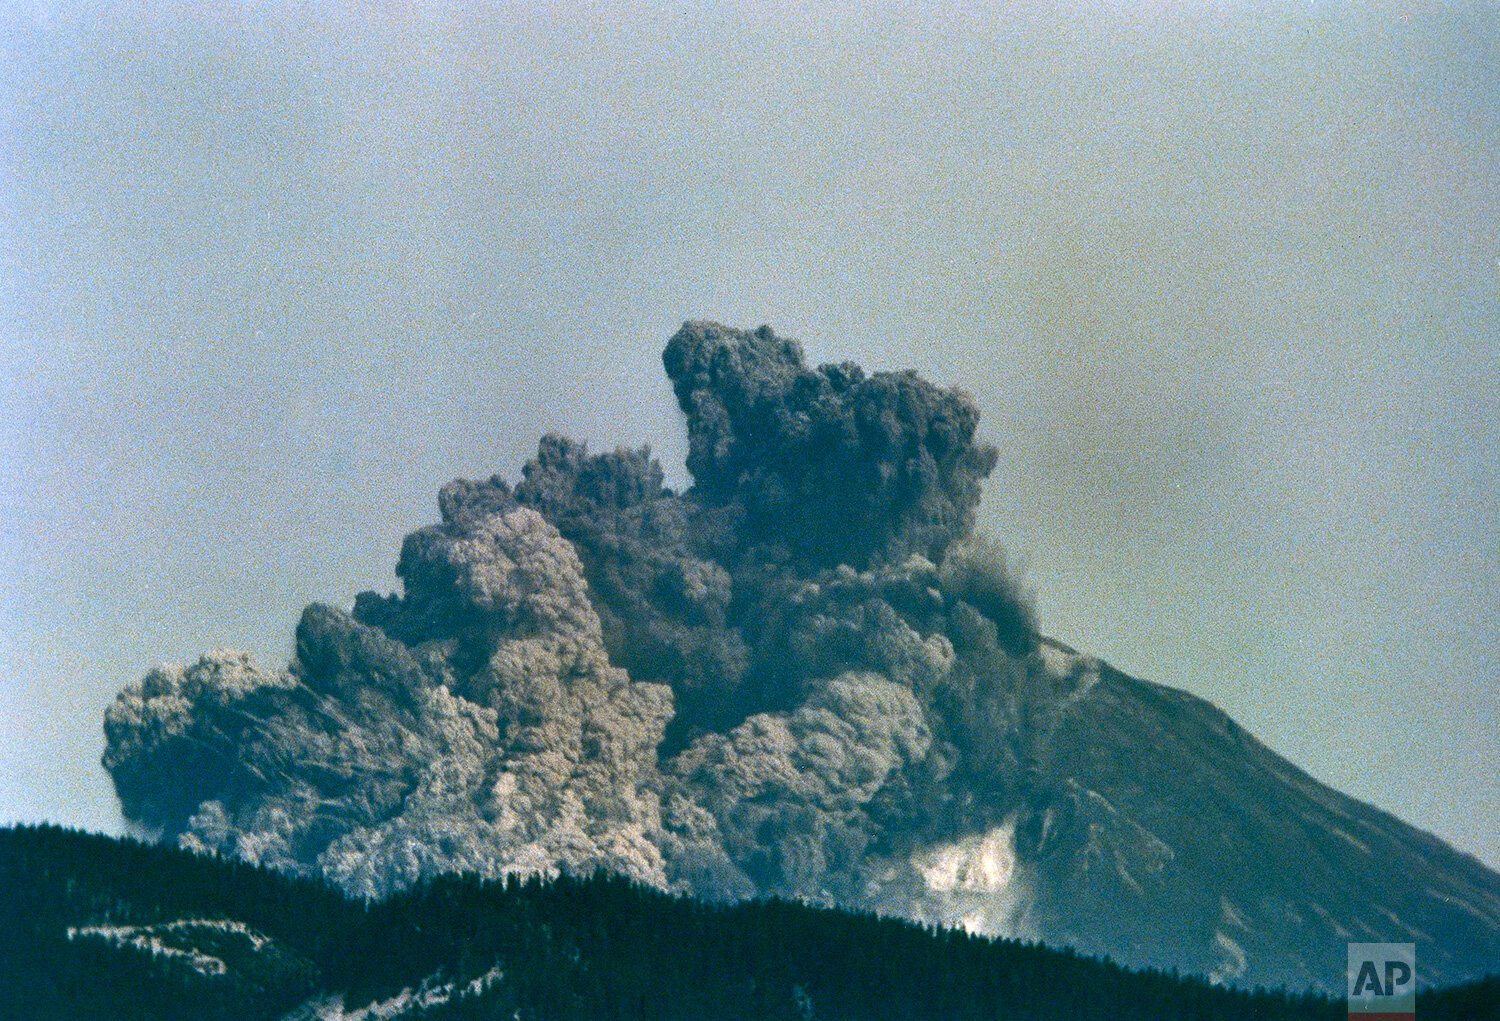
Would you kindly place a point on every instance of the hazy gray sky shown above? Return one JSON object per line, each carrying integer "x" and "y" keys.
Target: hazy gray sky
{"x": 1224, "y": 279}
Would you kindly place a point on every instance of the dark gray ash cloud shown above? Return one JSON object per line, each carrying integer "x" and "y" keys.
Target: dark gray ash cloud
{"x": 732, "y": 690}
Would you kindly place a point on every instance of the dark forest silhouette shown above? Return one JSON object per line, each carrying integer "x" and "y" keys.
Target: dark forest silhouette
{"x": 591, "y": 947}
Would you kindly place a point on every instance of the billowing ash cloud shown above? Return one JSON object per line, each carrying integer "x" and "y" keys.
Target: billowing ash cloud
{"x": 780, "y": 804}
{"x": 826, "y": 466}
{"x": 799, "y": 677}
{"x": 806, "y": 677}
{"x": 377, "y": 762}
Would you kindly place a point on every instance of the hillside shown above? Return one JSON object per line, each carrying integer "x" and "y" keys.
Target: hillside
{"x": 1151, "y": 826}
{"x": 94, "y": 927}
{"x": 100, "y": 928}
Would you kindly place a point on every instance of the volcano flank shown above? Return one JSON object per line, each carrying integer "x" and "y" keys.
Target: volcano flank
{"x": 807, "y": 676}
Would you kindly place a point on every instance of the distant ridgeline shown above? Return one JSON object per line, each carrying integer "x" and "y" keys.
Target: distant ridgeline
{"x": 94, "y": 927}
{"x": 805, "y": 677}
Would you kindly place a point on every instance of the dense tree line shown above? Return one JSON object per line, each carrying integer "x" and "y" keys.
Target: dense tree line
{"x": 596, "y": 947}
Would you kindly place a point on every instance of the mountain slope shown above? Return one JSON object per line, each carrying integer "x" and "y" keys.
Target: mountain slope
{"x": 1154, "y": 827}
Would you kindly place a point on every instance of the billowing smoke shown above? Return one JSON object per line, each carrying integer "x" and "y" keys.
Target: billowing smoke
{"x": 502, "y": 741}
{"x": 780, "y": 804}
{"x": 830, "y": 466}
{"x": 800, "y": 677}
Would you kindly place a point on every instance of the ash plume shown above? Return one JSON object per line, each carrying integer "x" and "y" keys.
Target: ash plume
{"x": 776, "y": 682}
{"x": 503, "y": 741}
{"x": 806, "y": 676}
{"x": 825, "y": 466}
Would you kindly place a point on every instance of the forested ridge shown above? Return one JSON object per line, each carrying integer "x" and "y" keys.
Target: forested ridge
{"x": 238, "y": 941}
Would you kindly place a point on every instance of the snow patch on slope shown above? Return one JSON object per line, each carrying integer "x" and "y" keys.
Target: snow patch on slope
{"x": 174, "y": 939}
{"x": 1232, "y": 960}
{"x": 430, "y": 993}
